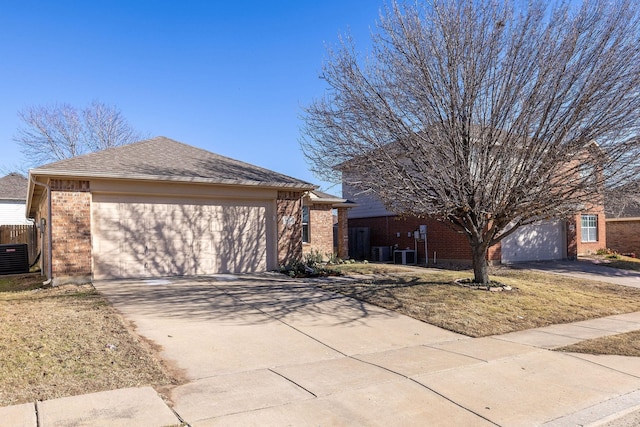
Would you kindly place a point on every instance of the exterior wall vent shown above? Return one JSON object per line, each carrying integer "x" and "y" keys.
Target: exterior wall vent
{"x": 14, "y": 259}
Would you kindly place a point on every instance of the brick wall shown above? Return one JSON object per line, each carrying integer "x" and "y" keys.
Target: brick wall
{"x": 71, "y": 229}
{"x": 343, "y": 234}
{"x": 447, "y": 244}
{"x": 623, "y": 236}
{"x": 289, "y": 216}
{"x": 320, "y": 231}
{"x": 586, "y": 248}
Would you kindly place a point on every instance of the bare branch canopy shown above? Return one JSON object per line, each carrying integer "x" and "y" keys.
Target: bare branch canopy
{"x": 60, "y": 131}
{"x": 487, "y": 115}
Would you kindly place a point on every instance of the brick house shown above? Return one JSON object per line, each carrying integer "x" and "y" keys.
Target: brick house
{"x": 623, "y": 231}
{"x": 163, "y": 208}
{"x": 376, "y": 233}
{"x": 552, "y": 239}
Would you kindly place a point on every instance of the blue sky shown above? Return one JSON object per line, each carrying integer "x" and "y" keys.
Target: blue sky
{"x": 231, "y": 77}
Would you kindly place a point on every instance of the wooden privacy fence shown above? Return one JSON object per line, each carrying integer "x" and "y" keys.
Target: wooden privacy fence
{"x": 11, "y": 234}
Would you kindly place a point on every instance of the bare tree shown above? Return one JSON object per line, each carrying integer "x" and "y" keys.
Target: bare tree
{"x": 60, "y": 131}
{"x": 483, "y": 114}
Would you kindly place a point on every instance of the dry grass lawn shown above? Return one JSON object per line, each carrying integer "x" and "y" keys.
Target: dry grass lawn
{"x": 623, "y": 345}
{"x": 537, "y": 299}
{"x": 617, "y": 261}
{"x": 66, "y": 341}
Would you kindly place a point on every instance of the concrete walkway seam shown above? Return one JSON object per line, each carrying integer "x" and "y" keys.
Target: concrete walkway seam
{"x": 353, "y": 358}
{"x": 293, "y": 382}
{"x": 39, "y": 421}
{"x": 600, "y": 364}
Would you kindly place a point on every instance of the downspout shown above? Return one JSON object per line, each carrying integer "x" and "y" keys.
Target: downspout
{"x": 49, "y": 232}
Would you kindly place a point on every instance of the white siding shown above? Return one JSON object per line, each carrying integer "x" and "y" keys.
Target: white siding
{"x": 368, "y": 205}
{"x": 12, "y": 213}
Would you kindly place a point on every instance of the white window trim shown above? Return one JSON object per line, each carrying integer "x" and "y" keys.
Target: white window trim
{"x": 585, "y": 231}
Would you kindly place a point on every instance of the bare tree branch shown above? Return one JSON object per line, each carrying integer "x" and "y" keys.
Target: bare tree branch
{"x": 484, "y": 115}
{"x": 60, "y": 131}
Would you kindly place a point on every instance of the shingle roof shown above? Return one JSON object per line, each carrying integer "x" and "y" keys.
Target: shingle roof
{"x": 623, "y": 201}
{"x": 13, "y": 187}
{"x": 319, "y": 197}
{"x": 631, "y": 211}
{"x": 162, "y": 158}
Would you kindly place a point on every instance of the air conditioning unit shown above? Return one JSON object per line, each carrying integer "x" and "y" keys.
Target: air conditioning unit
{"x": 380, "y": 253}
{"x": 14, "y": 259}
{"x": 404, "y": 257}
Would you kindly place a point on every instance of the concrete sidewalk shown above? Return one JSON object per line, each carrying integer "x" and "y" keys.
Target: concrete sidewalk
{"x": 259, "y": 351}
{"x": 128, "y": 407}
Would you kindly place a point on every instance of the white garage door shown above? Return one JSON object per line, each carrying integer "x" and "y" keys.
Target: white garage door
{"x": 542, "y": 241}
{"x": 160, "y": 237}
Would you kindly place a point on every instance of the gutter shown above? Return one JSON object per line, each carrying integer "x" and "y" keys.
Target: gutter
{"x": 49, "y": 230}
{"x": 280, "y": 185}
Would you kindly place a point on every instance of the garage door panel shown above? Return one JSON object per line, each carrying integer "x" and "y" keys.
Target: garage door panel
{"x": 132, "y": 268}
{"x": 245, "y": 251}
{"x": 166, "y": 239}
{"x": 202, "y": 247}
{"x": 542, "y": 241}
{"x": 108, "y": 246}
{"x": 162, "y": 265}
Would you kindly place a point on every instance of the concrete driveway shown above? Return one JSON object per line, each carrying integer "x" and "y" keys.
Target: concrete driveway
{"x": 586, "y": 269}
{"x": 268, "y": 351}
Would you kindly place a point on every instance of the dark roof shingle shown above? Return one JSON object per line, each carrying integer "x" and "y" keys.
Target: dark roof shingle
{"x": 13, "y": 187}
{"x": 162, "y": 158}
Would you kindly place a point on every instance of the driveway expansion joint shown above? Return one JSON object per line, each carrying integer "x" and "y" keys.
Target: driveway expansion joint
{"x": 231, "y": 334}
{"x": 293, "y": 382}
{"x": 459, "y": 405}
{"x": 38, "y": 420}
{"x": 575, "y": 355}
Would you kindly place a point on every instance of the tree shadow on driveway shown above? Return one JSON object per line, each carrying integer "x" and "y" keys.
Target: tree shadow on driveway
{"x": 241, "y": 299}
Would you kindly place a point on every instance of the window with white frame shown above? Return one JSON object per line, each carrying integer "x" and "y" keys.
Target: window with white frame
{"x": 305, "y": 224}
{"x": 589, "y": 227}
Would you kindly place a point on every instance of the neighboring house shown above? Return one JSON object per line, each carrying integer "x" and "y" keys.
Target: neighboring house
{"x": 13, "y": 196}
{"x": 162, "y": 208}
{"x": 623, "y": 231}
{"x": 376, "y": 233}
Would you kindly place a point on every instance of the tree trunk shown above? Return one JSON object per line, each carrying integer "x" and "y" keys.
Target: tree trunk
{"x": 480, "y": 265}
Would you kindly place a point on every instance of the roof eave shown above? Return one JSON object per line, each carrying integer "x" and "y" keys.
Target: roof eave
{"x": 336, "y": 203}
{"x": 622, "y": 219}
{"x": 303, "y": 186}
{"x": 30, "y": 190}
{"x": 346, "y": 204}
